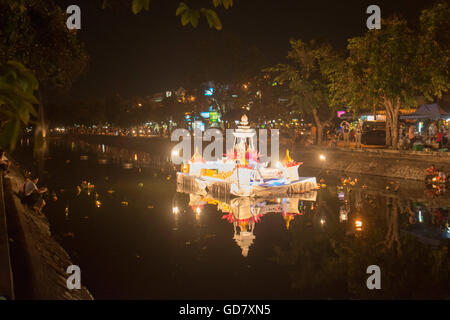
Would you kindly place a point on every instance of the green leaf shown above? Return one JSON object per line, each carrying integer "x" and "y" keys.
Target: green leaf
{"x": 138, "y": 5}
{"x": 24, "y": 114}
{"x": 212, "y": 18}
{"x": 9, "y": 134}
{"x": 227, "y": 3}
{"x": 182, "y": 8}
{"x": 185, "y": 18}
{"x": 194, "y": 17}
{"x": 17, "y": 86}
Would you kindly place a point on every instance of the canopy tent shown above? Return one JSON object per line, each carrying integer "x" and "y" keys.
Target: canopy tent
{"x": 428, "y": 111}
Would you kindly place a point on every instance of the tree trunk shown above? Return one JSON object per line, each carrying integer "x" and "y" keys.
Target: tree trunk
{"x": 395, "y": 113}
{"x": 320, "y": 133}
{"x": 392, "y": 111}
{"x": 319, "y": 126}
{"x": 388, "y": 128}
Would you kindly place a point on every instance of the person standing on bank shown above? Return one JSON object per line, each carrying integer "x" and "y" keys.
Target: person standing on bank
{"x": 346, "y": 133}
{"x": 358, "y": 134}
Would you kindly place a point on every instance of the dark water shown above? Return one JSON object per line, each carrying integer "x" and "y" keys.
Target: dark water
{"x": 135, "y": 237}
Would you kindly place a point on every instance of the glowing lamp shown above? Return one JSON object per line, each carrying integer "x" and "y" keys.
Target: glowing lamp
{"x": 358, "y": 225}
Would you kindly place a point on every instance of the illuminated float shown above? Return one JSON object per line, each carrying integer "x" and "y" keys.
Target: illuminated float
{"x": 240, "y": 172}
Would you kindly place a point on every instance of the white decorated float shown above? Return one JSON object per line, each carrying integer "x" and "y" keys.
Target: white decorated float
{"x": 242, "y": 174}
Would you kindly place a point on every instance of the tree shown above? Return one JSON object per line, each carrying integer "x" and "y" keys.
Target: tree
{"x": 17, "y": 100}
{"x": 174, "y": 111}
{"x": 391, "y": 67}
{"x": 308, "y": 77}
{"x": 35, "y": 33}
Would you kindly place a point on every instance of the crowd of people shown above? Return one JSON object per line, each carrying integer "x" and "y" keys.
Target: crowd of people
{"x": 435, "y": 136}
{"x": 30, "y": 194}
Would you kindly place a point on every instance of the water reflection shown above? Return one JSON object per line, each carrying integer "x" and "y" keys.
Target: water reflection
{"x": 244, "y": 212}
{"x": 120, "y": 204}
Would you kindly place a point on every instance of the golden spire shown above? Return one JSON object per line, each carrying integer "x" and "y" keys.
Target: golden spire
{"x": 196, "y": 157}
{"x": 244, "y": 120}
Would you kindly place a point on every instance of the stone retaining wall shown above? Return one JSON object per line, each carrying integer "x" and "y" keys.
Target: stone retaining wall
{"x": 387, "y": 163}
{"x": 38, "y": 260}
{"x": 6, "y": 277}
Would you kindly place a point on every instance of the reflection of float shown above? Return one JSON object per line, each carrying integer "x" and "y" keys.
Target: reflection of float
{"x": 242, "y": 174}
{"x": 245, "y": 212}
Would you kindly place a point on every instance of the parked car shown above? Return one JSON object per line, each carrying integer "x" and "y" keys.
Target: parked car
{"x": 374, "y": 133}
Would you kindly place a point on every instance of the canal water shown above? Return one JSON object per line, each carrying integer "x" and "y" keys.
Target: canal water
{"x": 118, "y": 213}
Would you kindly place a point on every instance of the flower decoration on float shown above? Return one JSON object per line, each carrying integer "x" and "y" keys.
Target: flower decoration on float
{"x": 288, "y": 162}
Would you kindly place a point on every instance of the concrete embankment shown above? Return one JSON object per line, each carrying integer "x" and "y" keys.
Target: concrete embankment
{"x": 39, "y": 263}
{"x": 396, "y": 164}
{"x": 6, "y": 278}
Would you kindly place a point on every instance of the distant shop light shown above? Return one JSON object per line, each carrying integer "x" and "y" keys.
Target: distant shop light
{"x": 205, "y": 115}
{"x": 214, "y": 116}
{"x": 209, "y": 92}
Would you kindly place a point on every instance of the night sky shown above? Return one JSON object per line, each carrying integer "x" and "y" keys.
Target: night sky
{"x": 151, "y": 52}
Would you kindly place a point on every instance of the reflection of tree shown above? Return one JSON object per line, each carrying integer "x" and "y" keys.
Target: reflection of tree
{"x": 392, "y": 240}
{"x": 331, "y": 262}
